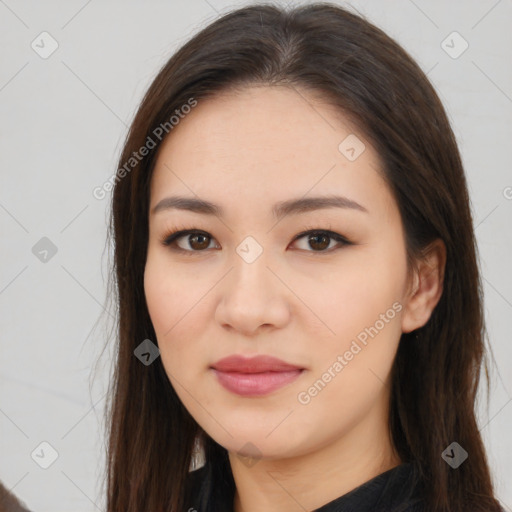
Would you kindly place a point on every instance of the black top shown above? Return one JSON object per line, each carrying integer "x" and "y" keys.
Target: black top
{"x": 396, "y": 490}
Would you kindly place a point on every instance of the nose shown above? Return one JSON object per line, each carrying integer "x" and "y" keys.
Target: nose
{"x": 253, "y": 297}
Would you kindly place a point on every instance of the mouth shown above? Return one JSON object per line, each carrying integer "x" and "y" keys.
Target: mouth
{"x": 256, "y": 376}
{"x": 255, "y": 384}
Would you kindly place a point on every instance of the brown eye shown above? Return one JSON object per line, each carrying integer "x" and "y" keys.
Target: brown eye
{"x": 320, "y": 240}
{"x": 195, "y": 241}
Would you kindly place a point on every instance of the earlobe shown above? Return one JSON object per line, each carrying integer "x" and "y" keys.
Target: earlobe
{"x": 427, "y": 288}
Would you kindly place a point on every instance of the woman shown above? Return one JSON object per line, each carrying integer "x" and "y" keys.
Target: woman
{"x": 299, "y": 296}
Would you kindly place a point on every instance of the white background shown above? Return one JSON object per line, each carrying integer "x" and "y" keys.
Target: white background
{"x": 62, "y": 123}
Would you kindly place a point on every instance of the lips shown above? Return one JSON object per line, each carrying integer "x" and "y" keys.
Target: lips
{"x": 257, "y": 364}
{"x": 255, "y": 376}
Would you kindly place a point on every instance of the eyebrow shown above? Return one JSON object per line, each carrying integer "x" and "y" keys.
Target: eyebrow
{"x": 279, "y": 210}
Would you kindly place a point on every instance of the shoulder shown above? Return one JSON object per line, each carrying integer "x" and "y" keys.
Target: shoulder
{"x": 405, "y": 491}
{"x": 421, "y": 506}
{"x": 198, "y": 489}
{"x": 417, "y": 506}
{"x": 196, "y": 479}
{"x": 209, "y": 488}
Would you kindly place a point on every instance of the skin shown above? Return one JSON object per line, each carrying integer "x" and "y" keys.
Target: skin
{"x": 297, "y": 301}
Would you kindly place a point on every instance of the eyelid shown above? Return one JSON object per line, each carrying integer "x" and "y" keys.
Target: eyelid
{"x": 175, "y": 234}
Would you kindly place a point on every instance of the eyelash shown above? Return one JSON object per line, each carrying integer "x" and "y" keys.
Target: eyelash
{"x": 172, "y": 236}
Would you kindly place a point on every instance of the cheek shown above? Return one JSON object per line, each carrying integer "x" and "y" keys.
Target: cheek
{"x": 175, "y": 307}
{"x": 165, "y": 297}
{"x": 356, "y": 294}
{"x": 170, "y": 292}
{"x": 349, "y": 373}
{"x": 361, "y": 307}
{"x": 159, "y": 292}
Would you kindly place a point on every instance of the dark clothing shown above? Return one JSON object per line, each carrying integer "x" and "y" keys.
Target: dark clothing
{"x": 396, "y": 490}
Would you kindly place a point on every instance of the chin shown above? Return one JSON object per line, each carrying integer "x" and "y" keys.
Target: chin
{"x": 257, "y": 444}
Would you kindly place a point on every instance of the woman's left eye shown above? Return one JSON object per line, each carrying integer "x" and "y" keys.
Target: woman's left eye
{"x": 322, "y": 239}
{"x": 199, "y": 241}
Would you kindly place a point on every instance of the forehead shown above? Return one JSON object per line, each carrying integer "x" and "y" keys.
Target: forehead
{"x": 267, "y": 144}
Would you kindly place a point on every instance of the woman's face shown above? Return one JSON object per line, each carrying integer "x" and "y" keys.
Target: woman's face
{"x": 246, "y": 285}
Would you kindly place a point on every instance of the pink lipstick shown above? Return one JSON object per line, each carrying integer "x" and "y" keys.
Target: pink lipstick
{"x": 255, "y": 376}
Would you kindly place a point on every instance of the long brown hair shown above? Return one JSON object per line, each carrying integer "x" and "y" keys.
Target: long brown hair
{"x": 355, "y": 66}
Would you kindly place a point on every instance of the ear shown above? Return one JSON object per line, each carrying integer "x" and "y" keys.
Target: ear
{"x": 427, "y": 287}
